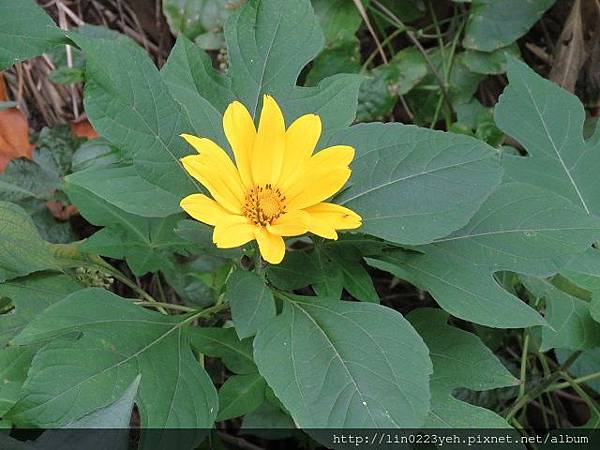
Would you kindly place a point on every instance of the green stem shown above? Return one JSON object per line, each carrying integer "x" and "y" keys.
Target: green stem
{"x": 571, "y": 382}
{"x": 540, "y": 388}
{"x": 523, "y": 372}
{"x": 205, "y": 313}
{"x": 167, "y": 306}
{"x": 580, "y": 380}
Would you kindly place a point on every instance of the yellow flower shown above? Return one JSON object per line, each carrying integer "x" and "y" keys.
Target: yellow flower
{"x": 276, "y": 188}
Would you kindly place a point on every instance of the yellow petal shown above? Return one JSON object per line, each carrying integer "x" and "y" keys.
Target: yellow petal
{"x": 203, "y": 208}
{"x": 226, "y": 191}
{"x": 338, "y": 156}
{"x": 233, "y": 231}
{"x": 292, "y": 223}
{"x": 316, "y": 187}
{"x": 241, "y": 133}
{"x": 271, "y": 246}
{"x": 325, "y": 218}
{"x": 269, "y": 146}
{"x": 300, "y": 141}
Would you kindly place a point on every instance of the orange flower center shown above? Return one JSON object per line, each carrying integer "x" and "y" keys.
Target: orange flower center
{"x": 264, "y": 204}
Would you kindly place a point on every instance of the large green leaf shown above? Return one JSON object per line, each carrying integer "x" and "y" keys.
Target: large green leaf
{"x": 143, "y": 242}
{"x": 27, "y": 31}
{"x": 345, "y": 364}
{"x": 572, "y": 325}
{"x": 127, "y": 191}
{"x": 14, "y": 364}
{"x": 413, "y": 185}
{"x": 459, "y": 359}
{"x": 129, "y": 104}
{"x": 519, "y": 228}
{"x": 31, "y": 295}
{"x": 252, "y": 303}
{"x": 493, "y": 24}
{"x": 548, "y": 121}
{"x": 70, "y": 378}
{"x": 268, "y": 44}
{"x": 22, "y": 250}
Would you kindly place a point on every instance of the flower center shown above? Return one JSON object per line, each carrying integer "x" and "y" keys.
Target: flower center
{"x": 263, "y": 204}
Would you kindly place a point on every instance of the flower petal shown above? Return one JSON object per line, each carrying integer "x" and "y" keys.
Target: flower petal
{"x": 327, "y": 159}
{"x": 271, "y": 246}
{"x": 241, "y": 134}
{"x": 203, "y": 208}
{"x": 328, "y": 217}
{"x": 292, "y": 223}
{"x": 269, "y": 146}
{"x": 233, "y": 231}
{"x": 300, "y": 141}
{"x": 316, "y": 187}
{"x": 225, "y": 188}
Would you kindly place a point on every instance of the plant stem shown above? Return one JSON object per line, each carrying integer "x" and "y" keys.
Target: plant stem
{"x": 541, "y": 388}
{"x": 167, "y": 306}
{"x": 523, "y": 372}
{"x": 566, "y": 384}
{"x": 205, "y": 313}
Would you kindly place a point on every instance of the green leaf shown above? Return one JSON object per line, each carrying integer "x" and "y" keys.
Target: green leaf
{"x": 338, "y": 19}
{"x": 252, "y": 303}
{"x": 143, "y": 242}
{"x": 95, "y": 153}
{"x": 129, "y": 104}
{"x": 343, "y": 58}
{"x": 572, "y": 325}
{"x": 345, "y": 364}
{"x": 378, "y": 93}
{"x": 584, "y": 270}
{"x": 412, "y": 185}
{"x": 14, "y": 364}
{"x": 198, "y": 18}
{"x": 493, "y": 63}
{"x": 30, "y": 296}
{"x": 22, "y": 250}
{"x": 119, "y": 340}
{"x": 459, "y": 359}
{"x": 202, "y": 92}
{"x": 27, "y": 31}
{"x": 240, "y": 395}
{"x": 223, "y": 343}
{"x": 494, "y": 24}
{"x": 268, "y": 44}
{"x": 25, "y": 179}
{"x": 127, "y": 191}
{"x": 268, "y": 422}
{"x": 519, "y": 228}
{"x": 548, "y": 121}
